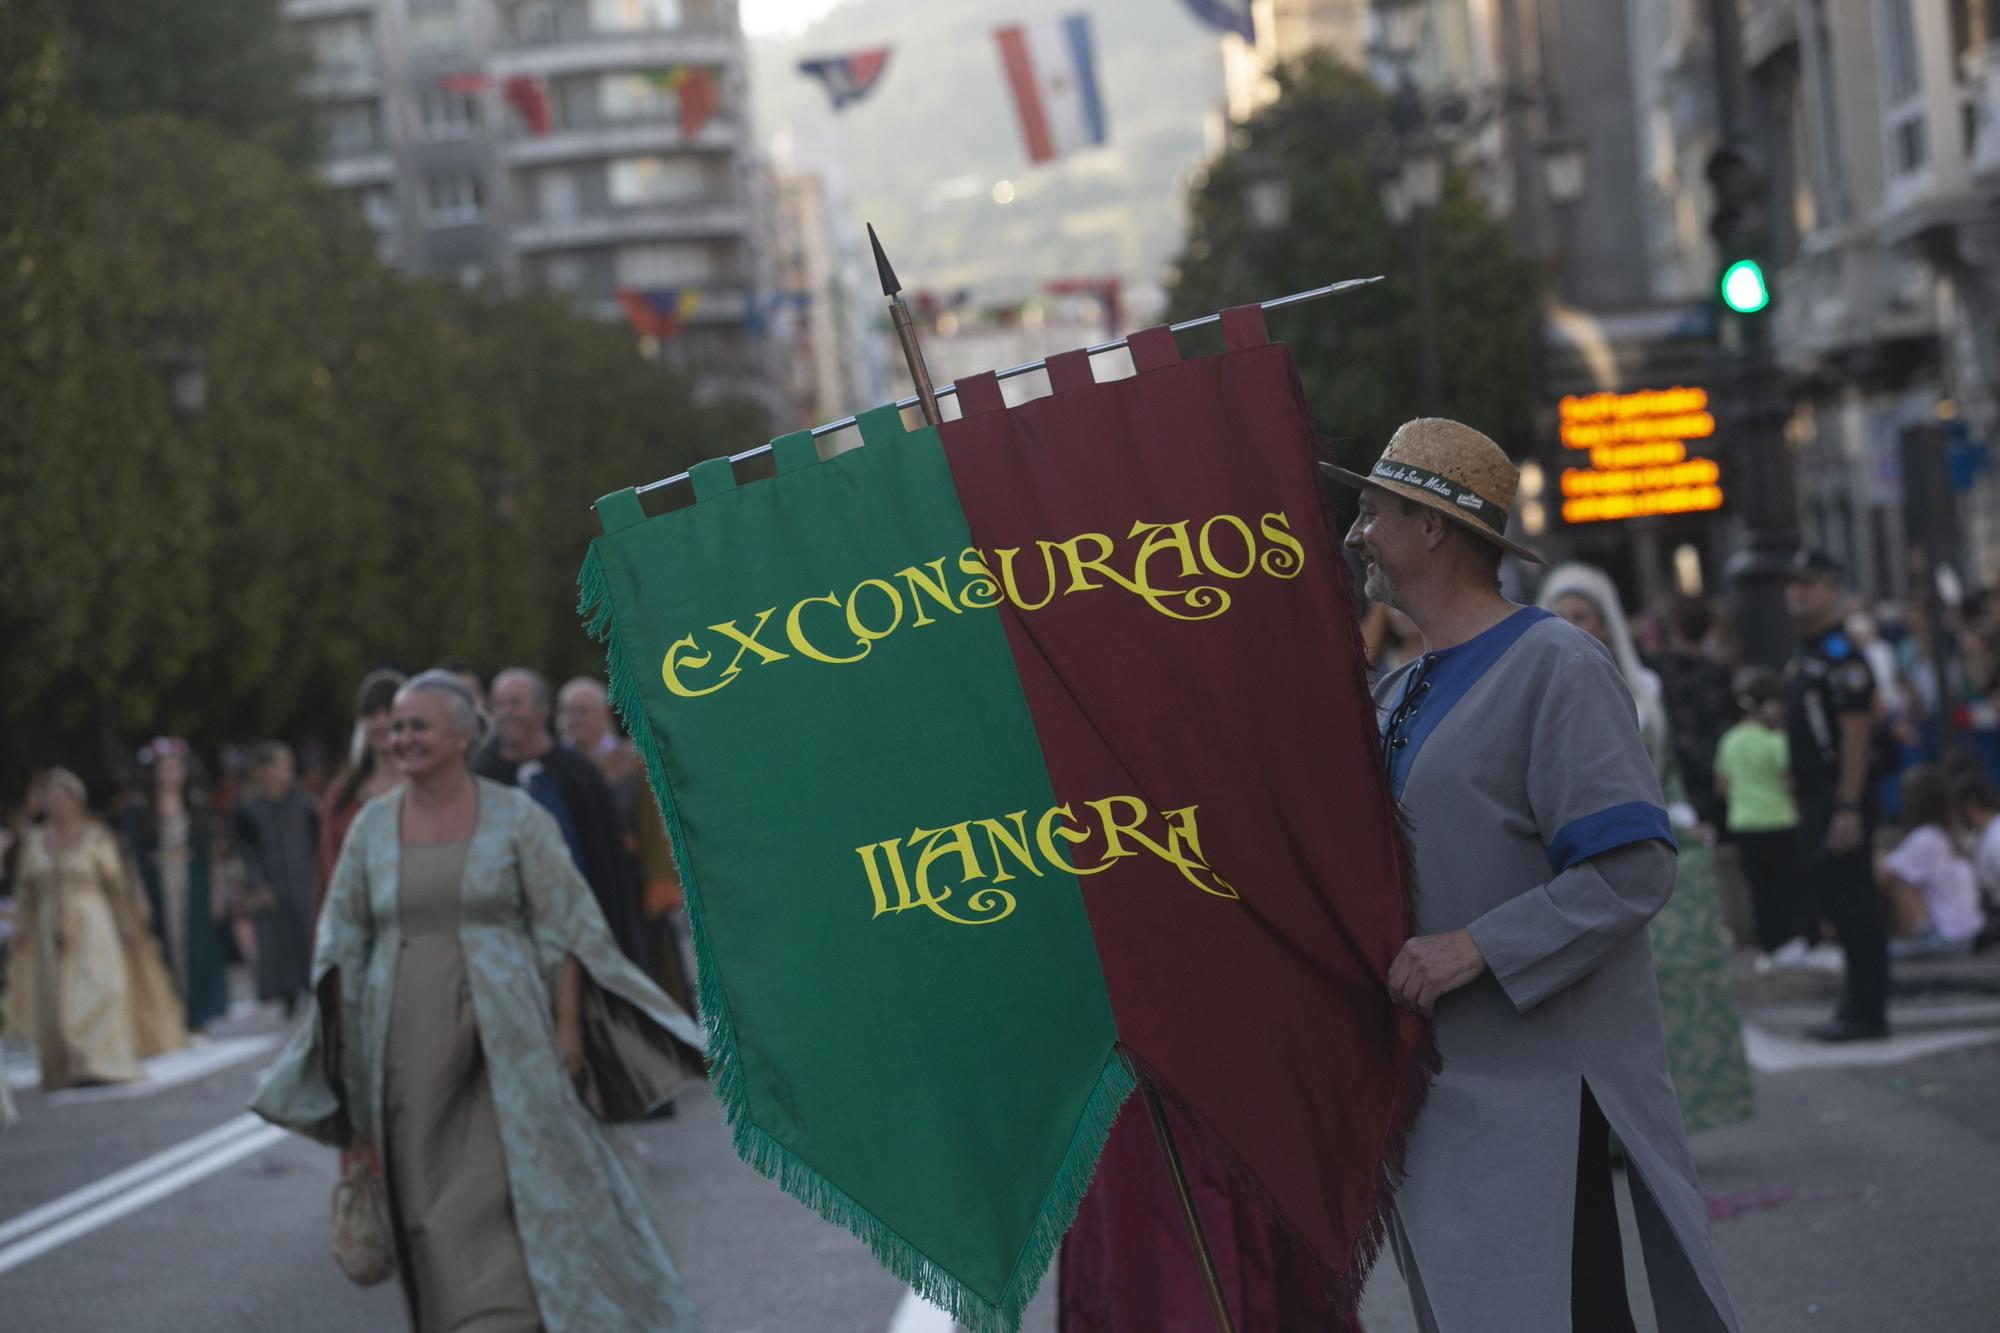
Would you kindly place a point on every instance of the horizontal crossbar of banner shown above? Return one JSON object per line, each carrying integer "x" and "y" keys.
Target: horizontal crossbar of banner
{"x": 1026, "y": 367}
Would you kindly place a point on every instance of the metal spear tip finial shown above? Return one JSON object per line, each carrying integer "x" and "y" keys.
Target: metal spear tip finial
{"x": 890, "y": 286}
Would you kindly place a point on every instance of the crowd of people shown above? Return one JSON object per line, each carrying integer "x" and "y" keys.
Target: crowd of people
{"x": 1933, "y": 759}
{"x": 122, "y": 915}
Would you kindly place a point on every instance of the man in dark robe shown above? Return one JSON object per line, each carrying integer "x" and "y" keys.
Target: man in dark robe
{"x": 524, "y": 753}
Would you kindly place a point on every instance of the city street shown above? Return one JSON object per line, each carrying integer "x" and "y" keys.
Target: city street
{"x": 1860, "y": 1199}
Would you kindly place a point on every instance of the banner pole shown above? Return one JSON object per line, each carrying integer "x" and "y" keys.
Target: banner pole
{"x": 1196, "y": 1236}
{"x": 1029, "y": 367}
{"x": 906, "y": 331}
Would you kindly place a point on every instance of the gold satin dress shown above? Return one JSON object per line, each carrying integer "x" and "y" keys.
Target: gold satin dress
{"x": 461, "y": 1262}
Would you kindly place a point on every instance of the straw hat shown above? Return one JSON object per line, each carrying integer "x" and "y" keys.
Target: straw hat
{"x": 1453, "y": 469}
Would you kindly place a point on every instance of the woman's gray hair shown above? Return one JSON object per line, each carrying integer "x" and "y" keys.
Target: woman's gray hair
{"x": 466, "y": 714}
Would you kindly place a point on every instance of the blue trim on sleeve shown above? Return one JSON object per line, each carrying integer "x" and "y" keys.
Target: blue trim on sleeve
{"x": 1618, "y": 826}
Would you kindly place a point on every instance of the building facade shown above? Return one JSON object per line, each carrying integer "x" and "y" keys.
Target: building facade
{"x": 594, "y": 147}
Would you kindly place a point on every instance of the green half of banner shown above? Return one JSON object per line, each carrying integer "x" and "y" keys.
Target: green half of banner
{"x": 831, "y": 717}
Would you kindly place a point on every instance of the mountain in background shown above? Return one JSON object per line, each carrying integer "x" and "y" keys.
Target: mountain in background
{"x": 921, "y": 156}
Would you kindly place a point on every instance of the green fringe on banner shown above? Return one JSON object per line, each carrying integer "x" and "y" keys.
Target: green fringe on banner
{"x": 771, "y": 1158}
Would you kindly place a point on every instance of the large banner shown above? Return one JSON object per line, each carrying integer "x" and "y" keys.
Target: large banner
{"x": 1005, "y": 762}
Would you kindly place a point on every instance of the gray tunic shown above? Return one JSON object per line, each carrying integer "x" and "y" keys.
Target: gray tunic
{"x": 1537, "y": 823}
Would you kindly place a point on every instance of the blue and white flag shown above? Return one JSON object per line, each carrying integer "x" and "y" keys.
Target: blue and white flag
{"x": 1228, "y": 15}
{"x": 848, "y": 78}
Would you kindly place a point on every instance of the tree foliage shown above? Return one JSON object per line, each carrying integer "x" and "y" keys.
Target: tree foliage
{"x": 386, "y": 469}
{"x": 1357, "y": 353}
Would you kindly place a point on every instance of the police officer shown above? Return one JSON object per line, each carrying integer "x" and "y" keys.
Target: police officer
{"x": 1829, "y": 720}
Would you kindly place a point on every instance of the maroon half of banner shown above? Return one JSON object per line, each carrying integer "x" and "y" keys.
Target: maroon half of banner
{"x": 1183, "y": 628}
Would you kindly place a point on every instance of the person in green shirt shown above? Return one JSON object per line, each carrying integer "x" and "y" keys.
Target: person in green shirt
{"x": 1753, "y": 773}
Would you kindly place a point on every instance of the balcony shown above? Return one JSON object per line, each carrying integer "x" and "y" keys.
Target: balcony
{"x": 298, "y": 11}
{"x": 639, "y": 224}
{"x": 1846, "y": 292}
{"x": 619, "y": 140}
{"x": 345, "y": 172}
{"x": 348, "y": 79}
{"x": 601, "y": 53}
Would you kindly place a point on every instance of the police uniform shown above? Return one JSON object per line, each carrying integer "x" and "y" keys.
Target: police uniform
{"x": 1827, "y": 680}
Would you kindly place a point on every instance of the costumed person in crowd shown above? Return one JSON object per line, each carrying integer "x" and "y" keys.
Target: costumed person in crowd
{"x": 472, "y": 1028}
{"x": 1929, "y": 881}
{"x": 85, "y": 982}
{"x": 584, "y": 722}
{"x": 1690, "y": 944}
{"x": 174, "y": 836}
{"x": 1753, "y": 775}
{"x": 277, "y": 834}
{"x": 370, "y": 771}
{"x": 1542, "y": 848}
{"x": 1829, "y": 729}
{"x": 523, "y": 753}
{"x": 1700, "y": 704}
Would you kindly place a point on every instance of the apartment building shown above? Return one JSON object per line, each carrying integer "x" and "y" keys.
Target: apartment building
{"x": 601, "y": 148}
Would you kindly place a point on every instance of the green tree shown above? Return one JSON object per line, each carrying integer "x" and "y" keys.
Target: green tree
{"x": 385, "y": 468}
{"x": 1357, "y": 353}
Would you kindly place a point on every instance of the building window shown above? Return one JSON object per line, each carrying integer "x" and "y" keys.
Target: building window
{"x": 1830, "y": 203}
{"x": 557, "y": 195}
{"x": 435, "y": 29}
{"x": 564, "y": 273}
{"x": 634, "y": 96}
{"x": 1901, "y": 68}
{"x": 666, "y": 264}
{"x": 350, "y": 129}
{"x": 343, "y": 46}
{"x": 378, "y": 206}
{"x": 455, "y": 200}
{"x": 443, "y": 115}
{"x": 535, "y": 22}
{"x": 656, "y": 180}
{"x": 634, "y": 15}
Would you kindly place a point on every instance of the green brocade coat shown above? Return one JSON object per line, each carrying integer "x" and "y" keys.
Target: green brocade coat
{"x": 594, "y": 1255}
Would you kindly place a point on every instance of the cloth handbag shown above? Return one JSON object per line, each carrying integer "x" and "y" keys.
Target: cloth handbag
{"x": 364, "y": 1244}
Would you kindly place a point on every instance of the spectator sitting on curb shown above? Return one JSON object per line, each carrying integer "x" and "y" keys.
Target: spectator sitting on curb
{"x": 1933, "y": 898}
{"x": 1979, "y": 818}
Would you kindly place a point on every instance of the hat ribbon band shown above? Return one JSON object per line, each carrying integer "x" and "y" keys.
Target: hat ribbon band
{"x": 1473, "y": 503}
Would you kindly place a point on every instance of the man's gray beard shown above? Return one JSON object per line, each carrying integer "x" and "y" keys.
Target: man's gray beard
{"x": 1377, "y": 586}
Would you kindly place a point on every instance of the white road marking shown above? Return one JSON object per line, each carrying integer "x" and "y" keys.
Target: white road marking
{"x": 162, "y": 1071}
{"x": 179, "y": 1176}
{"x": 77, "y": 1200}
{"x": 1771, "y": 1053}
{"x": 914, "y": 1314}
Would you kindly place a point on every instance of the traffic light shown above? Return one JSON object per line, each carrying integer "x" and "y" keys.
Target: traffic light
{"x": 1740, "y": 224}
{"x": 1743, "y": 287}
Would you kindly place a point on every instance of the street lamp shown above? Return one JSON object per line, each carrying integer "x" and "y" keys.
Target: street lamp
{"x": 1267, "y": 191}
{"x": 1423, "y": 175}
{"x": 1402, "y": 25}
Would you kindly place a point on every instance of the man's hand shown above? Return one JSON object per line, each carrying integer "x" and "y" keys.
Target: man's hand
{"x": 1844, "y": 834}
{"x": 1430, "y": 966}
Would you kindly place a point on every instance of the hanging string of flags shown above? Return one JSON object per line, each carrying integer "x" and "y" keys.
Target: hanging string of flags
{"x": 1226, "y": 15}
{"x": 848, "y": 78}
{"x": 658, "y": 312}
{"x": 694, "y": 88}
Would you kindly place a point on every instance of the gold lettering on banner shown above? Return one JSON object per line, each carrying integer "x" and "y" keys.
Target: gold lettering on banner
{"x": 1176, "y": 569}
{"x": 930, "y": 868}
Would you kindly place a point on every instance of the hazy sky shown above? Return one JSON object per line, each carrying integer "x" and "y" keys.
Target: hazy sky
{"x": 778, "y": 16}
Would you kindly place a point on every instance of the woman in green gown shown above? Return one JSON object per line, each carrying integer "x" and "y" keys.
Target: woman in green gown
{"x": 474, "y": 1025}
{"x": 1704, "y": 1035}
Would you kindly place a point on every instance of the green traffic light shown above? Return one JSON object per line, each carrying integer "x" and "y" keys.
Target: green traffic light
{"x": 1743, "y": 287}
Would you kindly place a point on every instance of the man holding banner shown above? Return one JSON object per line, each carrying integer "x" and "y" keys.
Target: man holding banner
{"x": 1542, "y": 848}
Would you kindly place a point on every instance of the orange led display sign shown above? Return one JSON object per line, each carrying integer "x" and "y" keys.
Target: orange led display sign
{"x": 1639, "y": 465}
